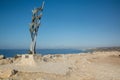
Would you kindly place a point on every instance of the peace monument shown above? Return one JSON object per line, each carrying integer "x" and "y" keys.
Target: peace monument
{"x": 34, "y": 26}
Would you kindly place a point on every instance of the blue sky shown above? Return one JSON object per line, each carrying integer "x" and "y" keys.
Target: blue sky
{"x": 65, "y": 23}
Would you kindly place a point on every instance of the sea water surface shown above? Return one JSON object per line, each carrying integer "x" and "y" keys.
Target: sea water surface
{"x": 13, "y": 52}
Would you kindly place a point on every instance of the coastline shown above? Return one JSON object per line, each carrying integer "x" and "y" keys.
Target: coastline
{"x": 14, "y": 52}
{"x": 83, "y": 66}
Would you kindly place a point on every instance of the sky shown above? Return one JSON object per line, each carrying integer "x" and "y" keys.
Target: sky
{"x": 64, "y": 24}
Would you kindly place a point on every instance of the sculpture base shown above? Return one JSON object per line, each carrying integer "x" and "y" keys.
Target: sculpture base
{"x": 30, "y": 52}
{"x": 27, "y": 60}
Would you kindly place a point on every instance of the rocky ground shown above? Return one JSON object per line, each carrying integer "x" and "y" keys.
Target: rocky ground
{"x": 84, "y": 66}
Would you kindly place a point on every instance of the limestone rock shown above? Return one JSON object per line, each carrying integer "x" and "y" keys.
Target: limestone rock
{"x": 6, "y": 73}
{"x": 17, "y": 56}
{"x": 2, "y": 57}
{"x": 6, "y": 61}
{"x": 27, "y": 60}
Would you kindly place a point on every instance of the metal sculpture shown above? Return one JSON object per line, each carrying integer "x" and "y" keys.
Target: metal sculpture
{"x": 34, "y": 26}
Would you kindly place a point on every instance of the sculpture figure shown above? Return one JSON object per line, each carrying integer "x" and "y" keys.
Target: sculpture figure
{"x": 34, "y": 26}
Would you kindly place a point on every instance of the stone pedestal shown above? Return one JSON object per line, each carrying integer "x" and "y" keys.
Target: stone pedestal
{"x": 27, "y": 60}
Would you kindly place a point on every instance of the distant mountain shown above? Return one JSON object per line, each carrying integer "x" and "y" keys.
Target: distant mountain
{"x": 106, "y": 49}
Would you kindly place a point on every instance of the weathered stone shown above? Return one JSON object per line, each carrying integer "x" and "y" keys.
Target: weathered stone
{"x": 27, "y": 60}
{"x": 17, "y": 56}
{"x": 45, "y": 59}
{"x": 38, "y": 57}
{"x": 2, "y": 57}
{"x": 58, "y": 55}
{"x": 5, "y": 61}
{"x": 6, "y": 73}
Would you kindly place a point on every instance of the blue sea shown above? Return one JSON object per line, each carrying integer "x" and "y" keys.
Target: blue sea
{"x": 13, "y": 52}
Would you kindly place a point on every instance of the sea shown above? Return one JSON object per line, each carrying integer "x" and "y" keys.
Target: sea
{"x": 14, "y": 52}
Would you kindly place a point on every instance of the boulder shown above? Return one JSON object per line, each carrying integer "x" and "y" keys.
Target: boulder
{"x": 2, "y": 57}
{"x": 6, "y": 61}
{"x": 17, "y": 56}
{"x": 45, "y": 59}
{"x": 6, "y": 73}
